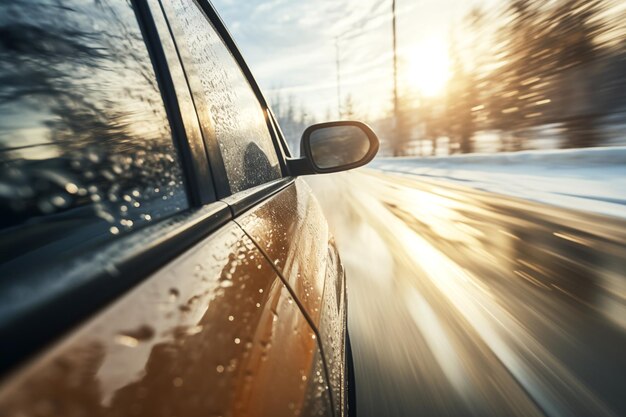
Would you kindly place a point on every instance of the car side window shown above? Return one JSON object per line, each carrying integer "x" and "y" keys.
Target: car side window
{"x": 86, "y": 150}
{"x": 225, "y": 101}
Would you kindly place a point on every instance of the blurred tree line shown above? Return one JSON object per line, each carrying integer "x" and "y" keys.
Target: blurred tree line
{"x": 292, "y": 118}
{"x": 527, "y": 65}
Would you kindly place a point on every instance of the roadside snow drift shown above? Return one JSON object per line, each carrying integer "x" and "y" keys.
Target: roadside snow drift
{"x": 592, "y": 179}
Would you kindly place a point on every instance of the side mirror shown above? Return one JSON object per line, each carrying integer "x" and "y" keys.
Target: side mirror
{"x": 334, "y": 146}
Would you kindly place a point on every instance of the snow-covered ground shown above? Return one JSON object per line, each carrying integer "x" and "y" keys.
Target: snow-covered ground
{"x": 592, "y": 179}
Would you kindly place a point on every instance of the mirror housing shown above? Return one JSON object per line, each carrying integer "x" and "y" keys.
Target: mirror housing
{"x": 333, "y": 147}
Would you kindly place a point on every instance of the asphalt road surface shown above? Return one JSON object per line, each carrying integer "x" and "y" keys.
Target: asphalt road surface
{"x": 465, "y": 303}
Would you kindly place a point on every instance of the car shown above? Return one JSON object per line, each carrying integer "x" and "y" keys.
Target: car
{"x": 160, "y": 254}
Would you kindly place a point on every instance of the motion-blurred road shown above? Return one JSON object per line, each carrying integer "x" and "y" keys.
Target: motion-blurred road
{"x": 468, "y": 303}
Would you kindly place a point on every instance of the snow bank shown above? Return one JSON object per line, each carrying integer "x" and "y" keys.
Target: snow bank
{"x": 592, "y": 179}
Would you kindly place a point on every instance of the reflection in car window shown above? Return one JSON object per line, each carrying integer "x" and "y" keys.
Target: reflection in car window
{"x": 224, "y": 98}
{"x": 86, "y": 151}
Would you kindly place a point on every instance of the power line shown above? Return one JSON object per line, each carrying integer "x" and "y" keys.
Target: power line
{"x": 395, "y": 62}
{"x": 360, "y": 29}
{"x": 363, "y": 31}
{"x": 337, "y": 61}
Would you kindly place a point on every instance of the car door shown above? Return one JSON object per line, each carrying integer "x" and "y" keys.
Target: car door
{"x": 154, "y": 301}
{"x": 280, "y": 215}
{"x": 290, "y": 229}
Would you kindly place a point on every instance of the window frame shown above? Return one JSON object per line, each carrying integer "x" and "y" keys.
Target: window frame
{"x": 199, "y": 178}
{"x": 216, "y": 161}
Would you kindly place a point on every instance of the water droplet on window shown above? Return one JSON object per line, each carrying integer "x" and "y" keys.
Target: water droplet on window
{"x": 93, "y": 157}
{"x": 71, "y": 188}
{"x": 59, "y": 201}
{"x": 126, "y": 222}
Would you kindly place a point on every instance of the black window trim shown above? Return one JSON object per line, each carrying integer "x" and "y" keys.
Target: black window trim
{"x": 210, "y": 144}
{"x": 244, "y": 200}
{"x": 230, "y": 44}
{"x": 241, "y": 201}
{"x": 200, "y": 187}
{"x": 279, "y": 133}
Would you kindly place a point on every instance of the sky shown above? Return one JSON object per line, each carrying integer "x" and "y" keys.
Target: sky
{"x": 290, "y": 46}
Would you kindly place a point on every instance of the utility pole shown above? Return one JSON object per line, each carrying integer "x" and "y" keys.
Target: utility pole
{"x": 395, "y": 63}
{"x": 338, "y": 77}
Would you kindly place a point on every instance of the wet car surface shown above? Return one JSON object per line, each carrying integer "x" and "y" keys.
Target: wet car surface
{"x": 159, "y": 254}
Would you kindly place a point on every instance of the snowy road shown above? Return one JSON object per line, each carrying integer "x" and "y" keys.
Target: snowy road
{"x": 590, "y": 179}
{"x": 464, "y": 302}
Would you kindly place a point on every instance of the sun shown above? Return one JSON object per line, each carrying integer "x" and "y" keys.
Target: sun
{"x": 428, "y": 67}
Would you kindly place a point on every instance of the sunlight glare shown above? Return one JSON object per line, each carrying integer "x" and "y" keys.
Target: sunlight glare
{"x": 428, "y": 67}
